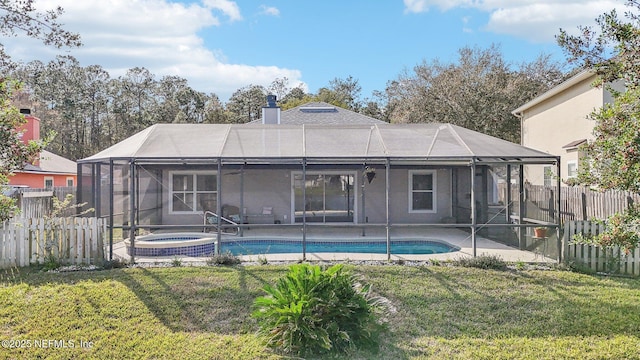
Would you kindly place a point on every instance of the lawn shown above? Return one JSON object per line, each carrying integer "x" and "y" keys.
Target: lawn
{"x": 203, "y": 313}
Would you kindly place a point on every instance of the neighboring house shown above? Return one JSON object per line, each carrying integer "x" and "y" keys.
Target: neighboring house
{"x": 315, "y": 163}
{"x": 49, "y": 170}
{"x": 557, "y": 122}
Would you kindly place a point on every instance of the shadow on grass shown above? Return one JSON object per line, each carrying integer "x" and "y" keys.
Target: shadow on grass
{"x": 458, "y": 303}
{"x": 431, "y": 302}
{"x": 197, "y": 299}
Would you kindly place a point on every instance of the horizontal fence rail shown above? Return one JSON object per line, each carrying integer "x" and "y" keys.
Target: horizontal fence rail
{"x": 25, "y": 241}
{"x": 600, "y": 259}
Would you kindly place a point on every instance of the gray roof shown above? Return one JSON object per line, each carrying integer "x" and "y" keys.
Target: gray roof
{"x": 432, "y": 141}
{"x": 53, "y": 164}
{"x": 322, "y": 113}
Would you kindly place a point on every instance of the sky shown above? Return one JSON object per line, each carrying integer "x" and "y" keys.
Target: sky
{"x": 220, "y": 46}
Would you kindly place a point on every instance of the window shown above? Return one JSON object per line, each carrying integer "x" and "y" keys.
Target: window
{"x": 572, "y": 168}
{"x": 70, "y": 181}
{"x": 192, "y": 192}
{"x": 48, "y": 182}
{"x": 422, "y": 191}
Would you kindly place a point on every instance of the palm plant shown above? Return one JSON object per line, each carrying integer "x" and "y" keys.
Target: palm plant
{"x": 315, "y": 311}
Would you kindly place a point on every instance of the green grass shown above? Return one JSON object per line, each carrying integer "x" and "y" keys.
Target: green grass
{"x": 204, "y": 313}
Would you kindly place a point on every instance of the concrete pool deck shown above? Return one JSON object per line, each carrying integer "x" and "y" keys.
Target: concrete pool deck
{"x": 452, "y": 236}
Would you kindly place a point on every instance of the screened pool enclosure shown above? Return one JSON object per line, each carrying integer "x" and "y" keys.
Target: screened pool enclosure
{"x": 300, "y": 183}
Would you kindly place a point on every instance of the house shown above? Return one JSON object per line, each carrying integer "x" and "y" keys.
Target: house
{"x": 49, "y": 170}
{"x": 306, "y": 169}
{"x": 557, "y": 122}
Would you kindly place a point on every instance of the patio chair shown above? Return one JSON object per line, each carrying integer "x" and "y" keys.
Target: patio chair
{"x": 231, "y": 212}
{"x": 228, "y": 226}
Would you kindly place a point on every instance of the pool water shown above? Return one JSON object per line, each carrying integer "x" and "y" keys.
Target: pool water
{"x": 405, "y": 247}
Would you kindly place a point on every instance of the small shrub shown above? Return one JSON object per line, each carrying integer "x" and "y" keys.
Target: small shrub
{"x": 580, "y": 267}
{"x": 613, "y": 264}
{"x": 483, "y": 261}
{"x": 51, "y": 262}
{"x": 313, "y": 312}
{"x": 435, "y": 262}
{"x": 226, "y": 258}
{"x": 176, "y": 262}
{"x": 520, "y": 265}
{"x": 262, "y": 260}
{"x": 114, "y": 264}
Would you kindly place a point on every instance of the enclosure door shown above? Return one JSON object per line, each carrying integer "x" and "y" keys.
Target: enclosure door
{"x": 329, "y": 197}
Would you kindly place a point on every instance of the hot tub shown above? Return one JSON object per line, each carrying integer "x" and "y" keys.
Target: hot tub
{"x": 173, "y": 244}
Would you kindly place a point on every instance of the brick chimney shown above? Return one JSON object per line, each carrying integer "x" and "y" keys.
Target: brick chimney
{"x": 30, "y": 130}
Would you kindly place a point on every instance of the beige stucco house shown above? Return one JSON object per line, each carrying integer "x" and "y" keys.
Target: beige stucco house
{"x": 557, "y": 122}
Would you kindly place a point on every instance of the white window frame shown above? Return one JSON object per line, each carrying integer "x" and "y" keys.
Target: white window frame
{"x": 433, "y": 174}
{"x": 194, "y": 174}
{"x": 70, "y": 179}
{"x": 569, "y": 163}
{"x": 48, "y": 178}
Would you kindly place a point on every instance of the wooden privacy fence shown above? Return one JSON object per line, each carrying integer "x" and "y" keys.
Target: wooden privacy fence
{"x": 67, "y": 240}
{"x": 609, "y": 259}
{"x": 35, "y": 203}
{"x": 576, "y": 202}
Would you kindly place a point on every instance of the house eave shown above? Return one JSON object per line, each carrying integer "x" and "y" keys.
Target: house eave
{"x": 581, "y": 76}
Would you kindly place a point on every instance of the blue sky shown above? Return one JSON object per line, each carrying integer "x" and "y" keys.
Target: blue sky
{"x": 222, "y": 45}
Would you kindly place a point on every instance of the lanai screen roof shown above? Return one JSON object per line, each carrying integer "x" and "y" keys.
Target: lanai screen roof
{"x": 432, "y": 141}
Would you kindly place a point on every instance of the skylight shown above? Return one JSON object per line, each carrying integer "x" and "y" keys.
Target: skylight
{"x": 318, "y": 108}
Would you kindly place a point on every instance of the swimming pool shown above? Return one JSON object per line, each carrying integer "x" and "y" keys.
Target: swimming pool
{"x": 204, "y": 244}
{"x": 400, "y": 247}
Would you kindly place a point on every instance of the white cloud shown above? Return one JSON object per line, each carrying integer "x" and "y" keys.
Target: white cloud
{"x": 269, "y": 10}
{"x": 155, "y": 34}
{"x": 534, "y": 20}
{"x": 229, "y": 8}
{"x": 415, "y": 6}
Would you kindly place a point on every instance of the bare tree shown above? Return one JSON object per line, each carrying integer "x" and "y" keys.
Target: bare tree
{"x": 477, "y": 92}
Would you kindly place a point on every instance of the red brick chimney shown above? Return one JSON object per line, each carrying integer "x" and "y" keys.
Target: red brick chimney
{"x": 31, "y": 129}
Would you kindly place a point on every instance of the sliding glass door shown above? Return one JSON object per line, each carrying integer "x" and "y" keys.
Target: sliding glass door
{"x": 329, "y": 197}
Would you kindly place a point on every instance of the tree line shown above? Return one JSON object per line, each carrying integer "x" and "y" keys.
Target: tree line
{"x": 88, "y": 110}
